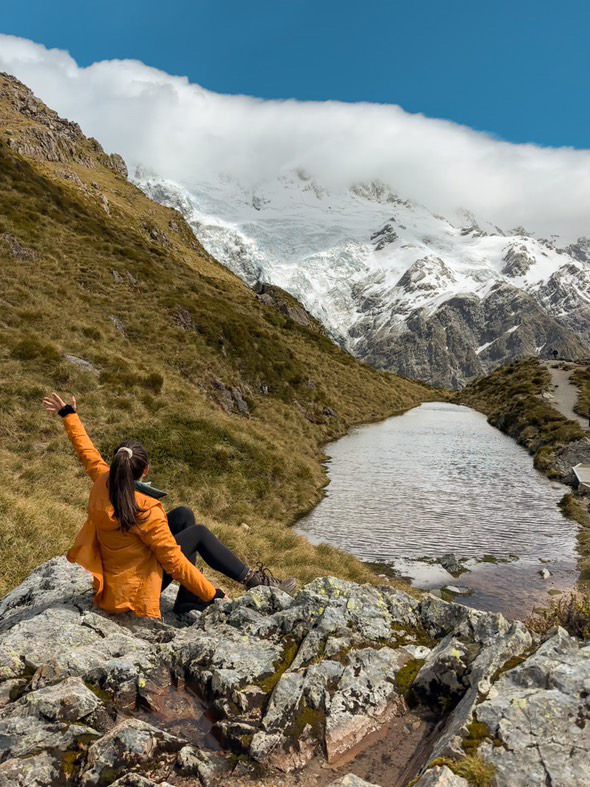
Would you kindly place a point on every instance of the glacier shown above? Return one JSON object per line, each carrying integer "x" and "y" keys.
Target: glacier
{"x": 441, "y": 299}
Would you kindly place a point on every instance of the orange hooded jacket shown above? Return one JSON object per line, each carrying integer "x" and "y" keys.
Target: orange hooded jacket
{"x": 127, "y": 567}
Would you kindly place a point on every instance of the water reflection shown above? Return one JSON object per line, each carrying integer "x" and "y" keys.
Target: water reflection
{"x": 441, "y": 479}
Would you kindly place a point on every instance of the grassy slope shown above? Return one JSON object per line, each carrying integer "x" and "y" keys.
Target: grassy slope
{"x": 511, "y": 398}
{"x": 581, "y": 377}
{"x": 159, "y": 381}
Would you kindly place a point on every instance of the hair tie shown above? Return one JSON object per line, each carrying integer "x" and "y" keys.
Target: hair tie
{"x": 127, "y": 450}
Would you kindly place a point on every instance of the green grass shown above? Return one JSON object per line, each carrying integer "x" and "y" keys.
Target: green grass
{"x": 189, "y": 326}
{"x": 581, "y": 378}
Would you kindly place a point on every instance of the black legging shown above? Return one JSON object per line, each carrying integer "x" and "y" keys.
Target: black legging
{"x": 196, "y": 540}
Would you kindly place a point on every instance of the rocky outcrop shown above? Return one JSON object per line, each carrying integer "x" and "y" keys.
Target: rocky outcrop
{"x": 280, "y": 300}
{"x": 49, "y": 137}
{"x": 286, "y": 683}
{"x": 467, "y": 336}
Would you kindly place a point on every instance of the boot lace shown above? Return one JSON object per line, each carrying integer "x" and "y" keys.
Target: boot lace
{"x": 265, "y": 574}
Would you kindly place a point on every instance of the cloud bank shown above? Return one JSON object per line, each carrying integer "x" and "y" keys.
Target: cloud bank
{"x": 187, "y": 133}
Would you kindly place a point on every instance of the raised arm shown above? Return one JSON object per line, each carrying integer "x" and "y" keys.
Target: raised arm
{"x": 156, "y": 534}
{"x": 93, "y": 462}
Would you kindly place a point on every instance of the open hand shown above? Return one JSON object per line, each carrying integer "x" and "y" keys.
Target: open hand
{"x": 54, "y": 403}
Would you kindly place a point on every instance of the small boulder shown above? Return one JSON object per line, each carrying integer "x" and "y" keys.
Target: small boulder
{"x": 451, "y": 564}
{"x": 130, "y": 744}
{"x": 81, "y": 363}
{"x": 441, "y": 777}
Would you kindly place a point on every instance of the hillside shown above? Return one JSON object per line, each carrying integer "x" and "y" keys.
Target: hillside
{"x": 438, "y": 298}
{"x": 108, "y": 296}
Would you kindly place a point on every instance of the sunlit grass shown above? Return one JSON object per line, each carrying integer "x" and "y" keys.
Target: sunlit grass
{"x": 157, "y": 378}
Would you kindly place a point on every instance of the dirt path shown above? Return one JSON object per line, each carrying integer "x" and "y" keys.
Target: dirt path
{"x": 565, "y": 394}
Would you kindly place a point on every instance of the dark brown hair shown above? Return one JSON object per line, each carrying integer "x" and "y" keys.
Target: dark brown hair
{"x": 125, "y": 470}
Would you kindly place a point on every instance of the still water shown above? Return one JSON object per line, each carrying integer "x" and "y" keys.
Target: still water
{"x": 440, "y": 479}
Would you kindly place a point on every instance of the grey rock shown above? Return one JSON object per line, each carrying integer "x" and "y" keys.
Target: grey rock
{"x": 364, "y": 699}
{"x": 81, "y": 363}
{"x": 68, "y": 701}
{"x": 9, "y": 688}
{"x": 540, "y": 711}
{"x": 38, "y": 770}
{"x": 16, "y": 250}
{"x": 441, "y": 777}
{"x": 450, "y": 563}
{"x": 458, "y": 590}
{"x": 287, "y": 677}
{"x": 350, "y": 780}
{"x": 119, "y": 326}
{"x": 22, "y": 736}
{"x": 130, "y": 744}
{"x": 136, "y": 780}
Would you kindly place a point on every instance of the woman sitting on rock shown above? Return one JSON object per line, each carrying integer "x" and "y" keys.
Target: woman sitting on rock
{"x": 132, "y": 547}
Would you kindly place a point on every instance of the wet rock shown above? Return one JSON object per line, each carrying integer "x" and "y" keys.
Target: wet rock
{"x": 441, "y": 777}
{"x": 364, "y": 699}
{"x": 130, "y": 744}
{"x": 450, "y": 563}
{"x": 457, "y": 590}
{"x": 545, "y": 573}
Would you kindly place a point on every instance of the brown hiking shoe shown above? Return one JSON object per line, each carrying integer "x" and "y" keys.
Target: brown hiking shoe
{"x": 263, "y": 576}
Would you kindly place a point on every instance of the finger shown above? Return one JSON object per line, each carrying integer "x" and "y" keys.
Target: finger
{"x": 74, "y": 402}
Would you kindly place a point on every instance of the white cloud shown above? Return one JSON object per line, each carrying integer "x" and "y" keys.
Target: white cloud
{"x": 186, "y": 133}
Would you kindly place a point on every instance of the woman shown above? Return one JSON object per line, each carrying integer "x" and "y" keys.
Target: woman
{"x": 133, "y": 549}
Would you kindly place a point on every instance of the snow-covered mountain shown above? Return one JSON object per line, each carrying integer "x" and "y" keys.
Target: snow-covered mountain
{"x": 441, "y": 299}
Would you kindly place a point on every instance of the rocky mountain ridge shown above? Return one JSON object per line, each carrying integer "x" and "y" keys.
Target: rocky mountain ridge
{"x": 440, "y": 299}
{"x": 290, "y": 688}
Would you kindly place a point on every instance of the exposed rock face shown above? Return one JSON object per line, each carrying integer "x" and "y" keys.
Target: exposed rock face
{"x": 52, "y": 138}
{"x": 286, "y": 304}
{"x": 468, "y": 336}
{"x": 289, "y": 680}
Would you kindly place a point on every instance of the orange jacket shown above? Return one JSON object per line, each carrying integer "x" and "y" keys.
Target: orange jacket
{"x": 127, "y": 567}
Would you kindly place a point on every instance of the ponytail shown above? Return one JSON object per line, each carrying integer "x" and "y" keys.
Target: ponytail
{"x": 128, "y": 465}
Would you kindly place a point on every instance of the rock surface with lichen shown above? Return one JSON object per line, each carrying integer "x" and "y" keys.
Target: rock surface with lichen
{"x": 287, "y": 682}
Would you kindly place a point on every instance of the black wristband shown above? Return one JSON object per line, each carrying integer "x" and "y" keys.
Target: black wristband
{"x": 66, "y": 410}
{"x": 218, "y": 593}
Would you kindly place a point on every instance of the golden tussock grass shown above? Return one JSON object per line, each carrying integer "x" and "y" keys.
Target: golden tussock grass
{"x": 164, "y": 327}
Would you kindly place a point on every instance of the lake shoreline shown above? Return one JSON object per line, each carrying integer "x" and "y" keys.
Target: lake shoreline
{"x": 371, "y": 484}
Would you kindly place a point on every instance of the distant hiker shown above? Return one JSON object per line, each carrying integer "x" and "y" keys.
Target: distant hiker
{"x": 554, "y": 353}
{"x": 132, "y": 547}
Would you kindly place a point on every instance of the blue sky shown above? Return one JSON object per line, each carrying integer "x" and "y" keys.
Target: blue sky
{"x": 518, "y": 69}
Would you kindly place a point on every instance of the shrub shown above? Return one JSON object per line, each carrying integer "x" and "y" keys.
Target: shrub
{"x": 571, "y": 612}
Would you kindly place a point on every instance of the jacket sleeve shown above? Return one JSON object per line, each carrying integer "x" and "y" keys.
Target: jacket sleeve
{"x": 155, "y": 533}
{"x": 93, "y": 462}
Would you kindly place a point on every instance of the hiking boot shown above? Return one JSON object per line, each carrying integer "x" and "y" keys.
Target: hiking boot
{"x": 263, "y": 576}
